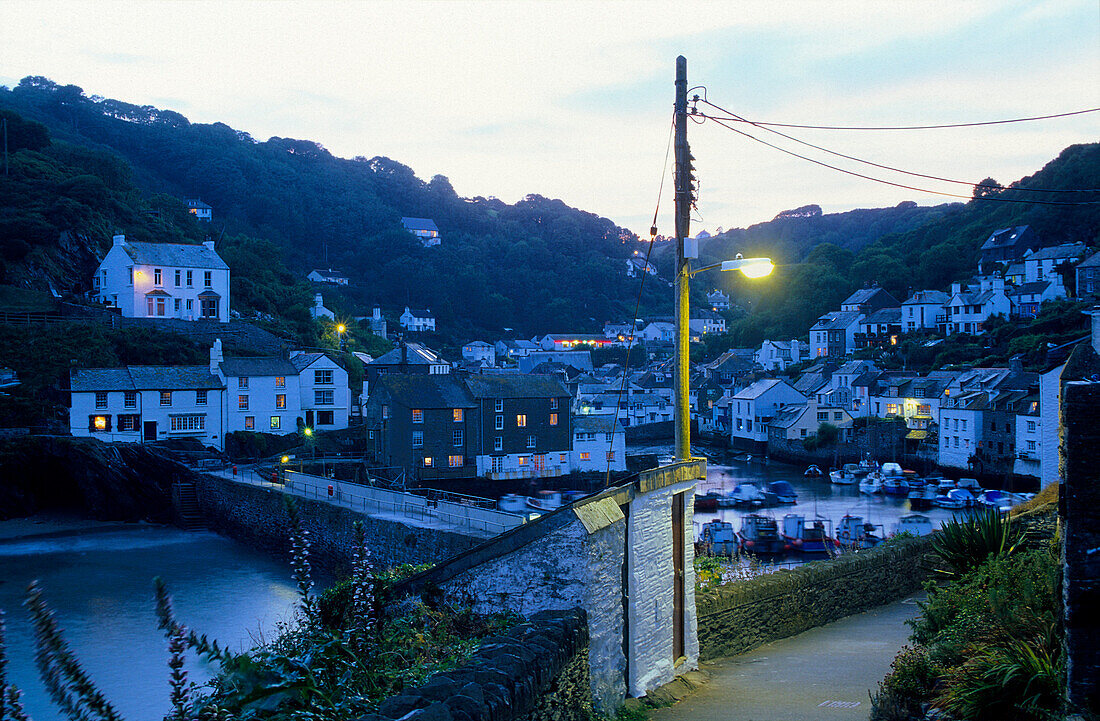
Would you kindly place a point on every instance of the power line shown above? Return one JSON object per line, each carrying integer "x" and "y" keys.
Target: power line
{"x": 898, "y": 185}
{"x": 985, "y": 186}
{"x": 918, "y": 127}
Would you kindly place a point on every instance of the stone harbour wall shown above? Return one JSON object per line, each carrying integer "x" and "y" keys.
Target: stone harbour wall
{"x": 741, "y": 616}
{"x": 257, "y": 516}
{"x": 537, "y": 671}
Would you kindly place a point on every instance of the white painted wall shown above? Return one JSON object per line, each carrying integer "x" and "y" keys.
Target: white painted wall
{"x": 308, "y": 387}
{"x": 1050, "y": 406}
{"x": 148, "y": 406}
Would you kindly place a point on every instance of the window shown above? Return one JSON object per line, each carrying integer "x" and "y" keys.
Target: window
{"x": 249, "y": 423}
{"x": 242, "y": 403}
{"x": 322, "y": 377}
{"x": 611, "y": 456}
{"x": 208, "y": 307}
{"x": 521, "y": 420}
{"x": 457, "y": 438}
{"x": 498, "y": 464}
{"x": 531, "y": 441}
{"x": 500, "y": 423}
{"x": 323, "y": 398}
{"x": 553, "y": 419}
{"x": 522, "y": 460}
{"x": 275, "y": 421}
{"x": 176, "y": 304}
{"x": 823, "y": 415}
{"x": 325, "y": 418}
{"x": 1031, "y": 445}
{"x": 563, "y": 458}
{"x": 454, "y": 461}
{"x": 418, "y": 439}
{"x": 166, "y": 398}
{"x": 189, "y": 278}
{"x": 500, "y": 405}
{"x": 242, "y": 382}
{"x": 458, "y": 415}
{"x": 207, "y": 277}
{"x": 586, "y": 456}
{"x": 280, "y": 400}
{"x": 893, "y": 409}
{"x": 131, "y": 269}
{"x": 748, "y": 424}
{"x": 156, "y": 276}
{"x": 179, "y": 278}
{"x": 606, "y": 436}
{"x": 100, "y": 424}
{"x": 190, "y": 304}
{"x": 838, "y": 415}
{"x": 200, "y": 398}
{"x": 802, "y": 432}
{"x": 428, "y": 461}
{"x": 1030, "y": 428}
{"x": 417, "y": 415}
{"x": 187, "y": 423}
{"x": 129, "y": 399}
{"x": 280, "y": 382}
{"x": 100, "y": 399}
{"x": 385, "y": 412}
{"x": 553, "y": 404}
{"x": 128, "y": 422}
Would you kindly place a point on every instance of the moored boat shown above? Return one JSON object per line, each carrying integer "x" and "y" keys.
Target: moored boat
{"x": 914, "y": 523}
{"x": 784, "y": 492}
{"x": 545, "y": 501}
{"x": 922, "y": 499}
{"x": 853, "y": 534}
{"x": 970, "y": 484}
{"x": 812, "y": 471}
{"x": 871, "y": 483}
{"x": 846, "y": 476}
{"x": 760, "y": 535}
{"x": 747, "y": 494}
{"x": 512, "y": 503}
{"x": 956, "y": 499}
{"x": 807, "y": 536}
{"x": 707, "y": 501}
{"x": 717, "y": 538}
{"x": 1001, "y": 500}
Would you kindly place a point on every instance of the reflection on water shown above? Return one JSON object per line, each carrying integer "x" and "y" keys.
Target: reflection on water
{"x": 100, "y": 586}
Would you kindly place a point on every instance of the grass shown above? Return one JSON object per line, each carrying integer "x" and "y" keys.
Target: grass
{"x": 1044, "y": 500}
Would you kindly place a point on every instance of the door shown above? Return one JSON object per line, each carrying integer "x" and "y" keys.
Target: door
{"x": 678, "y": 576}
{"x": 149, "y": 433}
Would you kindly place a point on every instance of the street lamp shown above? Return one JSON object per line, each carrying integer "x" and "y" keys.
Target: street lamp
{"x": 750, "y": 268}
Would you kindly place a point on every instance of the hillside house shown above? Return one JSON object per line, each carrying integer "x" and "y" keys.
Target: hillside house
{"x": 636, "y": 266}
{"x": 408, "y": 358}
{"x": 728, "y": 367}
{"x": 163, "y": 280}
{"x": 327, "y": 276}
{"x": 800, "y": 421}
{"x": 318, "y": 309}
{"x": 323, "y": 389}
{"x": 866, "y": 301}
{"x": 1028, "y": 298}
{"x": 573, "y": 341}
{"x": 599, "y": 444}
{"x": 514, "y": 349}
{"x": 718, "y": 300}
{"x": 969, "y": 309}
{"x": 263, "y": 393}
{"x": 621, "y": 332}
{"x": 923, "y": 310}
{"x": 200, "y": 210}
{"x": 754, "y": 407}
{"x": 1088, "y": 276}
{"x": 578, "y": 359}
{"x": 479, "y": 351}
{"x": 776, "y": 355}
{"x": 834, "y": 334}
{"x": 1008, "y": 244}
{"x": 705, "y": 321}
{"x": 660, "y": 331}
{"x": 1041, "y": 265}
{"x": 1029, "y": 438}
{"x": 424, "y": 229}
{"x": 880, "y": 329}
{"x": 417, "y": 320}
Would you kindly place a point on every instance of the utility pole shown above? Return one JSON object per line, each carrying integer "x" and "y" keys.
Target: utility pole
{"x": 683, "y": 184}
{"x": 4, "y": 122}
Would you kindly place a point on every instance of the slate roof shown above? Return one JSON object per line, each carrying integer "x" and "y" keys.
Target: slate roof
{"x": 419, "y": 224}
{"x": 258, "y": 366}
{"x": 883, "y": 315}
{"x": 1003, "y": 237}
{"x": 425, "y": 391}
{"x": 758, "y": 388}
{"x": 584, "y": 337}
{"x": 420, "y": 313}
{"x": 301, "y": 361}
{"x": 1036, "y": 288}
{"x": 836, "y": 319}
{"x": 1066, "y": 250}
{"x": 596, "y": 424}
{"x": 810, "y": 383}
{"x": 929, "y": 296}
{"x": 1090, "y": 262}
{"x": 789, "y": 415}
{"x": 197, "y": 204}
{"x": 174, "y": 254}
{"x": 333, "y": 274}
{"x": 138, "y": 378}
{"x": 418, "y": 355}
{"x": 517, "y": 386}
{"x": 730, "y": 362}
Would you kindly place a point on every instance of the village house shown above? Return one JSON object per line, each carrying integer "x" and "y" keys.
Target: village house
{"x": 880, "y": 329}
{"x": 200, "y": 210}
{"x": 923, "y": 310}
{"x": 718, "y": 300}
{"x": 866, "y": 301}
{"x": 776, "y": 355}
{"x": 323, "y": 389}
{"x": 729, "y": 367}
{"x": 1008, "y": 244}
{"x": 417, "y": 320}
{"x": 479, "y": 351}
{"x": 802, "y": 420}
{"x": 263, "y": 393}
{"x": 834, "y": 334}
{"x": 424, "y": 229}
{"x": 163, "y": 280}
{"x": 705, "y": 321}
{"x": 1029, "y": 438}
{"x": 408, "y": 358}
{"x": 754, "y": 407}
{"x": 573, "y": 341}
{"x": 969, "y": 309}
{"x": 660, "y": 331}
{"x": 1088, "y": 276}
{"x": 978, "y": 418}
{"x": 1042, "y": 265}
{"x": 636, "y": 266}
{"x": 1028, "y": 298}
{"x": 327, "y": 276}
{"x": 599, "y": 445}
{"x": 318, "y": 309}
{"x": 514, "y": 349}
{"x": 579, "y": 359}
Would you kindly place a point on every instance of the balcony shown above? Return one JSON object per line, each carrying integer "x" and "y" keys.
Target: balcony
{"x": 528, "y": 472}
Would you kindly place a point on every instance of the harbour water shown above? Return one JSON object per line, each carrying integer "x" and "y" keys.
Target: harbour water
{"x": 98, "y": 579}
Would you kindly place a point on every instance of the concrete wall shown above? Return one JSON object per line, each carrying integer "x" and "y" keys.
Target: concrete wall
{"x": 739, "y": 617}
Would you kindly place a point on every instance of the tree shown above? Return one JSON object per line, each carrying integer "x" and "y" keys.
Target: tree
{"x": 987, "y": 187}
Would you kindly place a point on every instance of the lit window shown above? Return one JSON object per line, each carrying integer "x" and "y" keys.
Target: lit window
{"x": 418, "y": 439}
{"x": 242, "y": 403}
{"x": 427, "y": 461}
{"x": 553, "y": 419}
{"x": 417, "y": 415}
{"x": 586, "y": 456}
{"x": 100, "y": 423}
{"x": 280, "y": 382}
{"x": 188, "y": 423}
{"x": 521, "y": 420}
{"x": 280, "y": 400}
{"x": 564, "y": 457}
{"x": 275, "y": 421}
{"x": 553, "y": 404}
{"x": 101, "y": 399}
{"x": 249, "y": 423}
{"x": 454, "y": 461}
{"x": 128, "y": 423}
{"x": 522, "y": 460}
{"x": 166, "y": 398}
{"x": 242, "y": 382}
{"x": 458, "y": 415}
{"x": 611, "y": 455}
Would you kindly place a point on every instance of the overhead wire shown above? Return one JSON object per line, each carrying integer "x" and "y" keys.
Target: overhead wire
{"x": 923, "y": 127}
{"x": 984, "y": 186}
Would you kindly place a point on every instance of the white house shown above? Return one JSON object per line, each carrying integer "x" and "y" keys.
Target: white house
{"x": 968, "y": 309}
{"x": 327, "y": 276}
{"x": 923, "y": 310}
{"x": 262, "y": 393}
{"x": 776, "y": 355}
{"x": 961, "y": 427}
{"x": 480, "y": 352}
{"x": 705, "y": 321}
{"x": 163, "y": 280}
{"x": 323, "y": 390}
{"x": 414, "y": 319}
{"x": 1028, "y": 298}
{"x": 752, "y": 408}
{"x": 1050, "y": 409}
{"x": 200, "y": 210}
{"x": 660, "y": 330}
{"x": 514, "y": 349}
{"x": 147, "y": 403}
{"x": 834, "y": 334}
{"x": 1029, "y": 438}
{"x": 599, "y": 443}
{"x": 319, "y": 310}
{"x": 424, "y": 229}
{"x": 636, "y": 266}
{"x": 718, "y": 300}
{"x": 1040, "y": 265}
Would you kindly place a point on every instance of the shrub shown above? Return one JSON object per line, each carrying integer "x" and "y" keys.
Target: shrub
{"x": 911, "y": 682}
{"x": 966, "y": 544}
{"x": 1019, "y": 681}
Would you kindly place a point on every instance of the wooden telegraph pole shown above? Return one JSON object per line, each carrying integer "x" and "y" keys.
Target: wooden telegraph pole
{"x": 683, "y": 185}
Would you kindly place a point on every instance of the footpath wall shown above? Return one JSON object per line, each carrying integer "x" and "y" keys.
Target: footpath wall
{"x": 741, "y": 616}
{"x": 257, "y": 516}
{"x": 537, "y": 671}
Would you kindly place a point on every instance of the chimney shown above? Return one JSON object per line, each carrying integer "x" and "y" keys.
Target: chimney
{"x": 998, "y": 283}
{"x": 209, "y": 244}
{"x": 956, "y": 288}
{"x": 1016, "y": 363}
{"x": 318, "y": 301}
{"x": 377, "y": 313}
{"x": 216, "y": 356}
{"x": 119, "y": 239}
{"x": 404, "y": 352}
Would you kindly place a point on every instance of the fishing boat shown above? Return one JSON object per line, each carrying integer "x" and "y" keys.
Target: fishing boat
{"x": 807, "y": 536}
{"x": 915, "y": 524}
{"x": 760, "y": 535}
{"x": 512, "y": 503}
{"x": 707, "y": 501}
{"x": 970, "y": 484}
{"x": 545, "y": 501}
{"x": 784, "y": 492}
{"x": 718, "y": 538}
{"x": 922, "y": 499}
{"x": 846, "y": 476}
{"x": 945, "y": 485}
{"x": 955, "y": 499}
{"x": 871, "y": 483}
{"x": 812, "y": 471}
{"x": 853, "y": 534}
{"x": 1001, "y": 500}
{"x": 747, "y": 494}
{"x": 893, "y": 480}
{"x": 866, "y": 466}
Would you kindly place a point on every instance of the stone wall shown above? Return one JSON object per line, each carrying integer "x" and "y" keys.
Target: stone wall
{"x": 257, "y": 516}
{"x": 537, "y": 671}
{"x": 741, "y": 616}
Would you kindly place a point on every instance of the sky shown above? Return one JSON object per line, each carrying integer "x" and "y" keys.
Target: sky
{"x": 573, "y": 100}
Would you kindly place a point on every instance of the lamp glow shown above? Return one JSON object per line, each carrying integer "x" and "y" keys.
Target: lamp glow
{"x": 750, "y": 267}
{"x": 341, "y": 328}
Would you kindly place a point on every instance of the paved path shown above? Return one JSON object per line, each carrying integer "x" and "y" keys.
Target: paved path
{"x": 823, "y": 674}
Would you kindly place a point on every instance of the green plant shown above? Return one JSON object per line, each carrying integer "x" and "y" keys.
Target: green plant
{"x": 911, "y": 681}
{"x": 1017, "y": 681}
{"x": 965, "y": 544}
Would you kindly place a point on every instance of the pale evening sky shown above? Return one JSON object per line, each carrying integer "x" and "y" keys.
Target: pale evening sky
{"x": 573, "y": 99}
